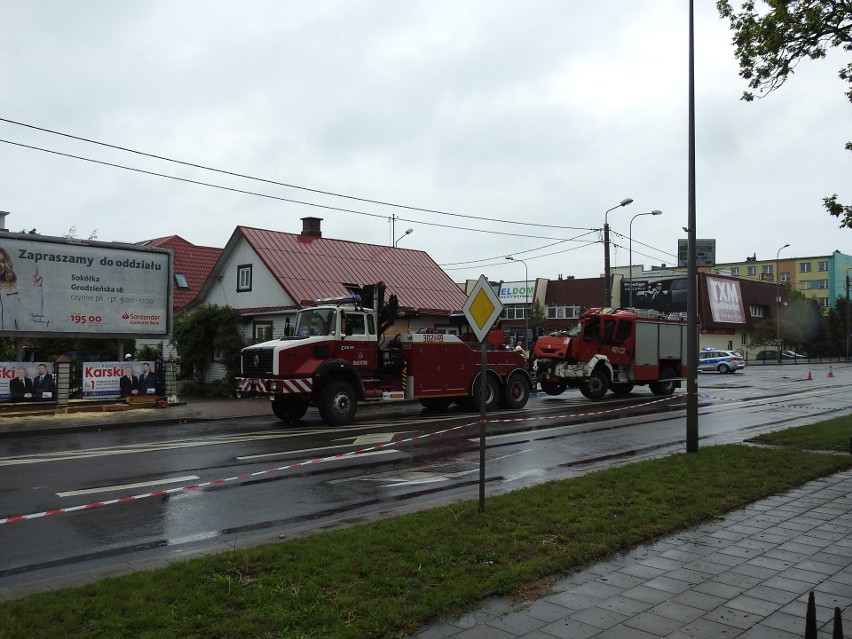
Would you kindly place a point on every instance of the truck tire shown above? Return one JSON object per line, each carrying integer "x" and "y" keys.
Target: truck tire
{"x": 289, "y": 410}
{"x": 516, "y": 392}
{"x": 436, "y": 403}
{"x": 666, "y": 385}
{"x": 596, "y": 386}
{"x": 553, "y": 388}
{"x": 337, "y": 404}
{"x": 492, "y": 394}
{"x": 622, "y": 389}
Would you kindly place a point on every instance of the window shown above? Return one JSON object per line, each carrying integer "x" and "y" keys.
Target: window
{"x": 180, "y": 280}
{"x": 262, "y": 331}
{"x": 823, "y": 266}
{"x": 755, "y": 310}
{"x": 625, "y": 329}
{"x": 752, "y": 270}
{"x": 805, "y": 267}
{"x": 514, "y": 311}
{"x": 822, "y": 283}
{"x": 769, "y": 269}
{"x": 785, "y": 277}
{"x": 562, "y": 311}
{"x": 244, "y": 277}
{"x": 735, "y": 271}
{"x": 823, "y": 302}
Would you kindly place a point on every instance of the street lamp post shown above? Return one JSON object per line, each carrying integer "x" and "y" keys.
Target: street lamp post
{"x": 527, "y": 299}
{"x": 607, "y": 280}
{"x": 654, "y": 212}
{"x": 778, "y": 302}
{"x": 407, "y": 232}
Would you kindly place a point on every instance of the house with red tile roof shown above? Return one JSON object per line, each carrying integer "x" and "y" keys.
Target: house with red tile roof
{"x": 192, "y": 266}
{"x": 269, "y": 275}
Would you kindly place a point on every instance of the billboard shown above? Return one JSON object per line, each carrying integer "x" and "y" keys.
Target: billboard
{"x": 726, "y": 301}
{"x": 705, "y": 252}
{"x": 665, "y": 295}
{"x": 64, "y": 287}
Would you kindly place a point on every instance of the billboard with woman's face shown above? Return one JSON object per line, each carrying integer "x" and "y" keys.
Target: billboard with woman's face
{"x": 54, "y": 286}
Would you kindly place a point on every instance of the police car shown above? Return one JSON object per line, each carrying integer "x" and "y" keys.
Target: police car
{"x": 722, "y": 361}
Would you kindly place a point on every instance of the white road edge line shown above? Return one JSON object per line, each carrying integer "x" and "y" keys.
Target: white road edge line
{"x": 106, "y": 489}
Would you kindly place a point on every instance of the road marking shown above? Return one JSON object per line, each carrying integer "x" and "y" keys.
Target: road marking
{"x": 106, "y": 489}
{"x": 309, "y": 451}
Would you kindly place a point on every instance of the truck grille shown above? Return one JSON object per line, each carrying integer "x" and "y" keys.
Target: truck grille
{"x": 257, "y": 362}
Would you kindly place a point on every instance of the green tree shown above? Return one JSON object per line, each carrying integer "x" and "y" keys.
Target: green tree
{"x": 538, "y": 321}
{"x": 205, "y": 332}
{"x": 770, "y": 43}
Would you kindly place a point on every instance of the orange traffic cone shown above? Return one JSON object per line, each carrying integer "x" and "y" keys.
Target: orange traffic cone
{"x": 809, "y": 376}
{"x": 830, "y": 372}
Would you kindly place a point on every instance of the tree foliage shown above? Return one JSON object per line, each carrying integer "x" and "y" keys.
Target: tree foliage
{"x": 771, "y": 42}
{"x": 205, "y": 332}
{"x": 537, "y": 321}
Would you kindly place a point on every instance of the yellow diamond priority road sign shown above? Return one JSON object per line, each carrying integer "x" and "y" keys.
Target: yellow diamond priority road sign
{"x": 482, "y": 308}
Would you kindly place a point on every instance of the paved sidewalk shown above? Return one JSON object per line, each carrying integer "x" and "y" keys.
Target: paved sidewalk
{"x": 747, "y": 575}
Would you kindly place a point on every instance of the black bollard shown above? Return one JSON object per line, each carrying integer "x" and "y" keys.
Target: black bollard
{"x": 837, "y": 633}
{"x": 810, "y": 619}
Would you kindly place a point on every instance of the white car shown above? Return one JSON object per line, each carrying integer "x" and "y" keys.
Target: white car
{"x": 722, "y": 361}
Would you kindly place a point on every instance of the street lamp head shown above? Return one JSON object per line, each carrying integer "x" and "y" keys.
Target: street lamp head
{"x": 656, "y": 212}
{"x": 785, "y": 246}
{"x": 626, "y": 201}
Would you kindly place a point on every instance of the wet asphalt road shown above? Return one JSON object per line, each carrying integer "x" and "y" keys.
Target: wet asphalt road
{"x": 261, "y": 481}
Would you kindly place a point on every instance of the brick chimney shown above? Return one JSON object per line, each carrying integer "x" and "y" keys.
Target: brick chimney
{"x": 311, "y": 226}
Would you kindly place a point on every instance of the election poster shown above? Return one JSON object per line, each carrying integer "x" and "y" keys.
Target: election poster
{"x": 117, "y": 380}
{"x": 26, "y": 381}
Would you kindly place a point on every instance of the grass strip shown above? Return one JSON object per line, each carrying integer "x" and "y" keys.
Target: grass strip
{"x": 832, "y": 434}
{"x": 387, "y": 578}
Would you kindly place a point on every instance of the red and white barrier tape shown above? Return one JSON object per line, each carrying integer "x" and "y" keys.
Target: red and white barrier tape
{"x": 360, "y": 451}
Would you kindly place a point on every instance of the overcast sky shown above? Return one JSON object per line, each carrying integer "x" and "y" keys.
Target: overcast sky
{"x": 544, "y": 113}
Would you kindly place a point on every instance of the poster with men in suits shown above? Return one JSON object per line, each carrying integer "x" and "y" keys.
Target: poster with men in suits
{"x": 26, "y": 381}
{"x": 119, "y": 380}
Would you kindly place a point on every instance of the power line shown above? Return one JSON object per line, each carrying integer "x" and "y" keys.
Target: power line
{"x": 540, "y": 248}
{"x": 284, "y": 184}
{"x": 267, "y": 195}
{"x": 535, "y": 257}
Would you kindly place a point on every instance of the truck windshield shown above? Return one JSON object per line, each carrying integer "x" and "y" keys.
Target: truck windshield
{"x": 315, "y": 321}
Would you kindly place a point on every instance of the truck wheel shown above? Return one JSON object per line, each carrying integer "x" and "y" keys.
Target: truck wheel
{"x": 666, "y": 385}
{"x": 289, "y": 411}
{"x": 337, "y": 404}
{"x": 492, "y": 394}
{"x": 596, "y": 386}
{"x": 516, "y": 392}
{"x": 436, "y": 403}
{"x": 622, "y": 389}
{"x": 554, "y": 388}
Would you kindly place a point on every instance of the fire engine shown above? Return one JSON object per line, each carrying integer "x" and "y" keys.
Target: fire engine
{"x": 338, "y": 354}
{"x": 614, "y": 349}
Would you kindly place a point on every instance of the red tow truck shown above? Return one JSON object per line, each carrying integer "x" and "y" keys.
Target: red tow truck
{"x": 614, "y": 349}
{"x": 339, "y": 354}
